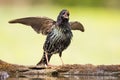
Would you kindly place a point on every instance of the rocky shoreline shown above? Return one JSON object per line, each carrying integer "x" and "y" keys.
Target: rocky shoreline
{"x": 75, "y": 69}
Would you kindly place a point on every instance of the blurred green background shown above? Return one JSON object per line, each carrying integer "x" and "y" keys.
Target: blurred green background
{"x": 99, "y": 44}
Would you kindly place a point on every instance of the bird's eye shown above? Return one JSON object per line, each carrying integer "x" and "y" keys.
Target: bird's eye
{"x": 63, "y": 13}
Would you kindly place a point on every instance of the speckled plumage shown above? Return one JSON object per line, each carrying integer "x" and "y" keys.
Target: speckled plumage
{"x": 58, "y": 39}
{"x": 58, "y": 32}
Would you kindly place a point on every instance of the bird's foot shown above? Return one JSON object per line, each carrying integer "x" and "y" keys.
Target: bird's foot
{"x": 50, "y": 65}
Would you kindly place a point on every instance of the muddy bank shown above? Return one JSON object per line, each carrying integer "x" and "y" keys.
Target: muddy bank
{"x": 75, "y": 69}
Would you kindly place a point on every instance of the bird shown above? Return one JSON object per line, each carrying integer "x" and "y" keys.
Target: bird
{"x": 58, "y": 33}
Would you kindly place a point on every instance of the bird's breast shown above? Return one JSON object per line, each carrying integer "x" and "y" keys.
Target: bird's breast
{"x": 57, "y": 40}
{"x": 62, "y": 34}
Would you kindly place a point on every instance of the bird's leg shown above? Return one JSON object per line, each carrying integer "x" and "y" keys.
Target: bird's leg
{"x": 62, "y": 61}
{"x": 46, "y": 56}
{"x": 60, "y": 55}
{"x": 45, "y": 59}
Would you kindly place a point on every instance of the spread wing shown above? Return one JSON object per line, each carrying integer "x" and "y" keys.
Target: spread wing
{"x": 75, "y": 25}
{"x": 39, "y": 24}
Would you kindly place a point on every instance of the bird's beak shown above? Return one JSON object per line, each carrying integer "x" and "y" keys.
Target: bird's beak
{"x": 66, "y": 15}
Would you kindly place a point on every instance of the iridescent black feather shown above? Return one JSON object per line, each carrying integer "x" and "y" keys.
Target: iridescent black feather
{"x": 58, "y": 39}
{"x": 58, "y": 32}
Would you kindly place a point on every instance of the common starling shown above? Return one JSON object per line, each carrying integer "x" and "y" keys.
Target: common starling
{"x": 58, "y": 33}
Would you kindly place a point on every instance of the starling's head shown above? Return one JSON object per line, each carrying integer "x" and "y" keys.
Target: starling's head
{"x": 64, "y": 15}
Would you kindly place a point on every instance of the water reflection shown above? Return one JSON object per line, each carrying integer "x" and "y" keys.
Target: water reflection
{"x": 3, "y": 75}
{"x": 68, "y": 78}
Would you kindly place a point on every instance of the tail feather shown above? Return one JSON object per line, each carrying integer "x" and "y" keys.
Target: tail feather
{"x": 43, "y": 60}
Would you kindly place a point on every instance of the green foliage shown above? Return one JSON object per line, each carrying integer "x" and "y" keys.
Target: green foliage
{"x": 80, "y": 2}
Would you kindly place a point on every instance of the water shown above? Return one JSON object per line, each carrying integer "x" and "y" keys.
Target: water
{"x": 66, "y": 78}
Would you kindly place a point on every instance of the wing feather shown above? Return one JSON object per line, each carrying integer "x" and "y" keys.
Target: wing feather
{"x": 39, "y": 24}
{"x": 75, "y": 25}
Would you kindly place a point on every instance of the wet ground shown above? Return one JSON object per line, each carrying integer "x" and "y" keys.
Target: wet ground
{"x": 75, "y": 69}
{"x": 66, "y": 77}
